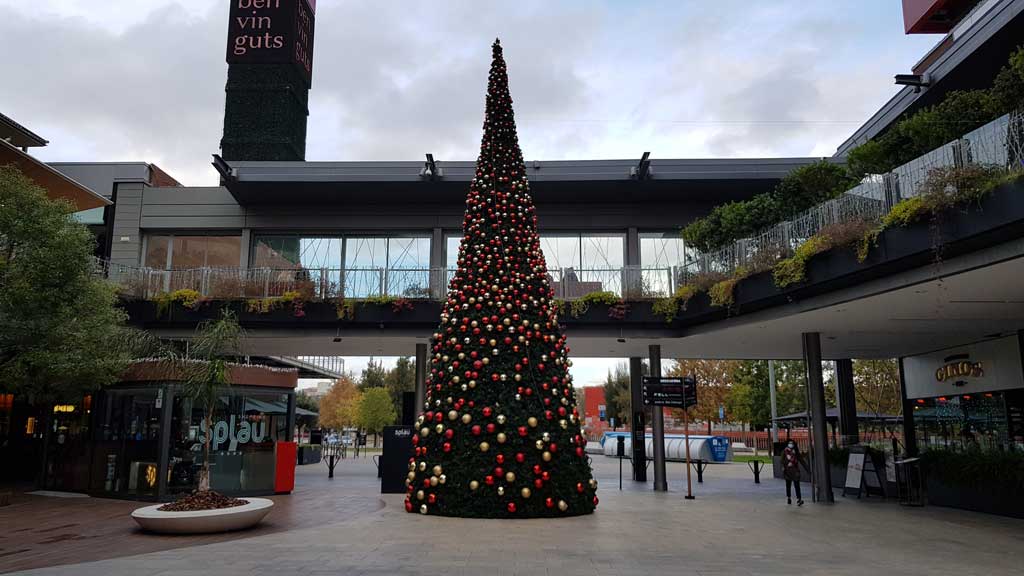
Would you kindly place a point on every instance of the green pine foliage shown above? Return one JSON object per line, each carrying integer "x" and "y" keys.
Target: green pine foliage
{"x": 500, "y": 434}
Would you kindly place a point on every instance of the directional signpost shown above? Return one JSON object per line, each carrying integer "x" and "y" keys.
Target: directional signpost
{"x": 678, "y": 392}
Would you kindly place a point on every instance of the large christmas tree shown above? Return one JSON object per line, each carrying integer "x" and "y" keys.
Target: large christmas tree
{"x": 500, "y": 434}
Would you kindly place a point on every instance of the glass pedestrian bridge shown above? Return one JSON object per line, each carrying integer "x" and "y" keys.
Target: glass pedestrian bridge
{"x": 142, "y": 282}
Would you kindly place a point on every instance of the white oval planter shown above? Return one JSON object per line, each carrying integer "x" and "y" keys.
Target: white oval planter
{"x": 203, "y": 521}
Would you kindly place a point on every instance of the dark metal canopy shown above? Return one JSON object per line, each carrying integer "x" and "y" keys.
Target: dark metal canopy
{"x": 562, "y": 181}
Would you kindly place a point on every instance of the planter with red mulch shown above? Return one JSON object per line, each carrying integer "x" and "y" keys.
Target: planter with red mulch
{"x": 203, "y": 512}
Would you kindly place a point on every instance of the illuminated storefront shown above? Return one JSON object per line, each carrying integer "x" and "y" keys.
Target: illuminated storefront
{"x": 968, "y": 397}
{"x": 143, "y": 438}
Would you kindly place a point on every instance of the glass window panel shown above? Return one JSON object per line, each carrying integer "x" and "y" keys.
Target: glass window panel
{"x": 224, "y": 251}
{"x": 188, "y": 252}
{"x": 408, "y": 273}
{"x": 90, "y": 216}
{"x": 561, "y": 251}
{"x": 276, "y": 252}
{"x": 366, "y": 253}
{"x": 602, "y": 252}
{"x": 156, "y": 251}
{"x": 451, "y": 251}
{"x": 317, "y": 253}
{"x": 409, "y": 253}
{"x": 662, "y": 250}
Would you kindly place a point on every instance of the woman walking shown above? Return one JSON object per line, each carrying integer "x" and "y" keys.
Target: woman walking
{"x": 791, "y": 472}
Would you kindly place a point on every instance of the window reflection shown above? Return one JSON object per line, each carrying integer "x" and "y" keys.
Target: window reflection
{"x": 176, "y": 252}
{"x": 245, "y": 427}
{"x": 660, "y": 253}
{"x": 578, "y": 265}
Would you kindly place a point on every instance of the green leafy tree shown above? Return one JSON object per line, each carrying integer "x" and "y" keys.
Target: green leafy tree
{"x": 616, "y": 395}
{"x": 714, "y": 386}
{"x": 399, "y": 380}
{"x": 339, "y": 408}
{"x": 376, "y": 411}
{"x": 877, "y": 386}
{"x": 307, "y": 401}
{"x": 750, "y": 398}
{"x": 207, "y": 373}
{"x": 61, "y": 334}
{"x": 374, "y": 375}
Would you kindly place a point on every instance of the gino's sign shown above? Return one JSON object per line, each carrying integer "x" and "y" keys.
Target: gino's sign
{"x": 959, "y": 366}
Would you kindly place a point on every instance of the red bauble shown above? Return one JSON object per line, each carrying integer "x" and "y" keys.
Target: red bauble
{"x": 512, "y": 507}
{"x": 579, "y": 487}
{"x": 548, "y": 502}
{"x": 408, "y": 505}
{"x": 520, "y": 457}
{"x": 489, "y": 480}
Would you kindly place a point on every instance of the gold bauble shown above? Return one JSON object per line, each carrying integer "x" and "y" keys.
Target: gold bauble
{"x": 472, "y": 383}
{"x": 539, "y": 444}
{"x": 562, "y": 505}
{"x": 593, "y": 484}
{"x": 484, "y": 446}
{"x": 437, "y": 470}
{"x": 439, "y": 428}
{"x": 473, "y": 484}
{"x": 423, "y": 466}
{"x": 501, "y": 438}
{"x": 546, "y": 437}
{"x": 486, "y": 361}
{"x": 442, "y": 479}
{"x": 425, "y": 432}
{"x": 525, "y": 492}
{"x": 546, "y": 456}
{"x": 411, "y": 475}
{"x": 531, "y": 421}
{"x": 501, "y": 490}
{"x": 518, "y": 377}
{"x": 420, "y": 495}
{"x": 466, "y": 418}
{"x": 510, "y": 477}
{"x": 563, "y": 423}
{"x": 433, "y": 480}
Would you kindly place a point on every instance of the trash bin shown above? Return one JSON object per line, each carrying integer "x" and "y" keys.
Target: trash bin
{"x": 910, "y": 482}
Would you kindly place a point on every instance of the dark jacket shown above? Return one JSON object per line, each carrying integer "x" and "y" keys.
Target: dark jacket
{"x": 791, "y": 463}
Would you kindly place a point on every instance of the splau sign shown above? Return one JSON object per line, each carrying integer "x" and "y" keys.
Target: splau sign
{"x": 227, "y": 431}
{"x": 272, "y": 32}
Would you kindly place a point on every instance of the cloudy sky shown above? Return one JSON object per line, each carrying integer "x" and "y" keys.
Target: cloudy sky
{"x": 144, "y": 79}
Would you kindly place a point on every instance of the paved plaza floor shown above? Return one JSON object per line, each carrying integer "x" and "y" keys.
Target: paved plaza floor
{"x": 733, "y": 527}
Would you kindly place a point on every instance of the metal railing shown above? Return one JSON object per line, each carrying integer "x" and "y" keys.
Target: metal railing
{"x": 998, "y": 143}
{"x": 631, "y": 282}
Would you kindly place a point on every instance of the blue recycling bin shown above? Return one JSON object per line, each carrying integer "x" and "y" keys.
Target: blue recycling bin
{"x": 719, "y": 448}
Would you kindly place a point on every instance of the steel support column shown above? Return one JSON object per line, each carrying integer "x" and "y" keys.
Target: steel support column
{"x": 637, "y": 420}
{"x": 421, "y": 378}
{"x": 848, "y": 429}
{"x": 658, "y": 427}
{"x": 819, "y": 433}
{"x": 909, "y": 436}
